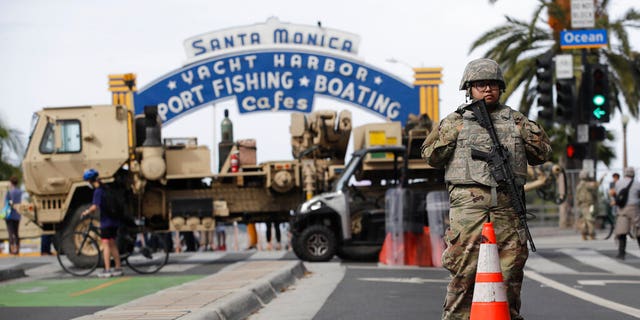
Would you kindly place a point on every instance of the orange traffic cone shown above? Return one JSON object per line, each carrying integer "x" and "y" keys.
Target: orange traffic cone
{"x": 489, "y": 293}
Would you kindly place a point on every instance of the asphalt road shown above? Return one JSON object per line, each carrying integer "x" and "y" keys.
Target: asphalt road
{"x": 566, "y": 279}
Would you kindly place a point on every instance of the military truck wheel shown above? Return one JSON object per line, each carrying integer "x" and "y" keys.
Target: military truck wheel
{"x": 70, "y": 244}
{"x": 317, "y": 243}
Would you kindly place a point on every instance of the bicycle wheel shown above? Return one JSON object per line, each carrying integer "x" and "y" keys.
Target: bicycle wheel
{"x": 150, "y": 253}
{"x": 78, "y": 254}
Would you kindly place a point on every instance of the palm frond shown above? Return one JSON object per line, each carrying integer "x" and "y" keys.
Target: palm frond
{"x": 626, "y": 78}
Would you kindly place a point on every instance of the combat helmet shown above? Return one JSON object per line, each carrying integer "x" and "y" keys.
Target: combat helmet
{"x": 482, "y": 69}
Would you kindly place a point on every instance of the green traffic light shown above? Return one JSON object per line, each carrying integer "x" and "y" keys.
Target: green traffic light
{"x": 598, "y": 100}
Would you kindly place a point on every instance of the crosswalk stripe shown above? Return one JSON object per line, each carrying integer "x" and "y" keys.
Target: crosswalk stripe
{"x": 543, "y": 265}
{"x": 634, "y": 253}
{"x": 600, "y": 261}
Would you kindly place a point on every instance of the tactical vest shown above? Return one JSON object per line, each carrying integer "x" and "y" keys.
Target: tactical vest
{"x": 585, "y": 195}
{"x": 462, "y": 169}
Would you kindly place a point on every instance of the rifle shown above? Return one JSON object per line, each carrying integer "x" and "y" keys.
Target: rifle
{"x": 498, "y": 160}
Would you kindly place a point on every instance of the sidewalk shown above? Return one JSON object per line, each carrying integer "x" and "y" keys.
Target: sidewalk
{"x": 233, "y": 293}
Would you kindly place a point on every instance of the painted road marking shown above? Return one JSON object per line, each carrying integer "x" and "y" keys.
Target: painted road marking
{"x": 543, "y": 265}
{"x": 604, "y": 282}
{"x": 634, "y": 312}
{"x": 406, "y": 280}
{"x": 600, "y": 261}
{"x": 101, "y": 286}
{"x": 58, "y": 292}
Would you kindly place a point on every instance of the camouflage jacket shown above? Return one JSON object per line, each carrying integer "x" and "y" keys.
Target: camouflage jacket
{"x": 586, "y": 192}
{"x": 440, "y": 146}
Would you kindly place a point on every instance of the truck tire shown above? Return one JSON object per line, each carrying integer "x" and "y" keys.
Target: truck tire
{"x": 295, "y": 245}
{"x": 69, "y": 243}
{"x": 317, "y": 243}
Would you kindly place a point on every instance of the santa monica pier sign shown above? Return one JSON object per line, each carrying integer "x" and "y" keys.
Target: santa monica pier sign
{"x": 277, "y": 66}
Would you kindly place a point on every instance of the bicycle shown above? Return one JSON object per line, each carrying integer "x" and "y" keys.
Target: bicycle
{"x": 144, "y": 252}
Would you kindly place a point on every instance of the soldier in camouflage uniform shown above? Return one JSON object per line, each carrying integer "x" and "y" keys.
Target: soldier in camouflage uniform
{"x": 474, "y": 196}
{"x": 586, "y": 196}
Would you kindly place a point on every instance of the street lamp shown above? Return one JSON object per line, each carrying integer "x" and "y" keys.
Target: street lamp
{"x": 625, "y": 120}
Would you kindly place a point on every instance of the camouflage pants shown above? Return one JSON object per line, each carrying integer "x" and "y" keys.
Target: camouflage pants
{"x": 587, "y": 226}
{"x": 471, "y": 206}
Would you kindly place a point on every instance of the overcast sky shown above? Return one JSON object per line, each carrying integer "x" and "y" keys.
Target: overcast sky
{"x": 59, "y": 53}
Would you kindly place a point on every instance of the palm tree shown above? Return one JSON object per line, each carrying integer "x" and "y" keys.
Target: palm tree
{"x": 517, "y": 44}
{"x": 9, "y": 143}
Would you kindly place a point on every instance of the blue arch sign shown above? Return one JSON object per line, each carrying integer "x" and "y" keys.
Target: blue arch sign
{"x": 279, "y": 81}
{"x": 276, "y": 66}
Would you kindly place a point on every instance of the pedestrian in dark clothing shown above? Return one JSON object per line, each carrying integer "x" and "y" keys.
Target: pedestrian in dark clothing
{"x": 108, "y": 226}
{"x": 13, "y": 197}
{"x": 45, "y": 245}
{"x": 276, "y": 225}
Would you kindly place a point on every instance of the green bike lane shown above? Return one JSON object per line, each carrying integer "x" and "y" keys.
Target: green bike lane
{"x": 85, "y": 292}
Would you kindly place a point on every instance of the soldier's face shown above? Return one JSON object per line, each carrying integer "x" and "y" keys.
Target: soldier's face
{"x": 487, "y": 90}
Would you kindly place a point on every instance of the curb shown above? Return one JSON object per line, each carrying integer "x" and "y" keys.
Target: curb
{"x": 243, "y": 303}
{"x": 233, "y": 293}
{"x": 8, "y": 274}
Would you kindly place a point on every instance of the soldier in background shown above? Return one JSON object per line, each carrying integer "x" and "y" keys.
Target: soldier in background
{"x": 474, "y": 195}
{"x": 586, "y": 198}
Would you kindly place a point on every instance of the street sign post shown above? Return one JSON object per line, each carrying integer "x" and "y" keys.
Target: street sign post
{"x": 582, "y": 14}
{"x": 575, "y": 39}
{"x": 564, "y": 66}
{"x": 582, "y": 133}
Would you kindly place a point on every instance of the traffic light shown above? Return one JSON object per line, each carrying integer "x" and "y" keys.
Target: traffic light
{"x": 544, "y": 77}
{"x": 576, "y": 150}
{"x": 597, "y": 133}
{"x": 565, "y": 100}
{"x": 596, "y": 100}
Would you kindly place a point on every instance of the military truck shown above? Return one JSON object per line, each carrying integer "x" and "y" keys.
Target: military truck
{"x": 167, "y": 183}
{"x": 349, "y": 220}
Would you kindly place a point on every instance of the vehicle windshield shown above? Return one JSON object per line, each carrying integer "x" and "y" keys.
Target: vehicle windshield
{"x": 34, "y": 121}
{"x": 348, "y": 172}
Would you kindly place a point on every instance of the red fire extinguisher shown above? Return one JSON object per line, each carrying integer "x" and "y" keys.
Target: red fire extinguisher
{"x": 235, "y": 162}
